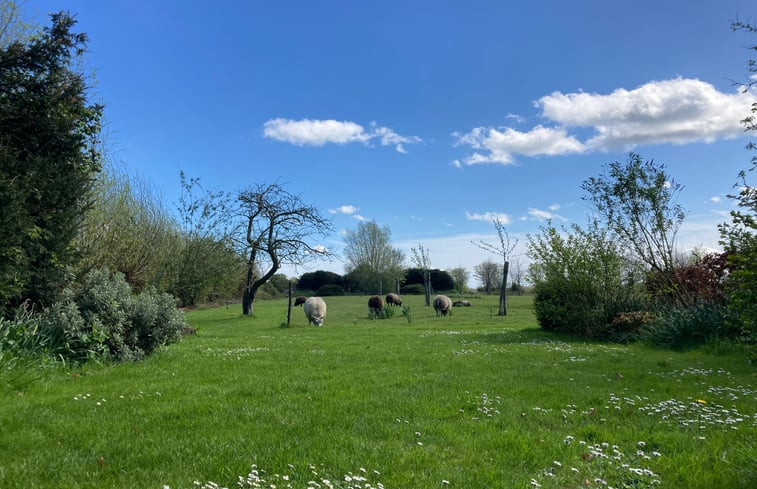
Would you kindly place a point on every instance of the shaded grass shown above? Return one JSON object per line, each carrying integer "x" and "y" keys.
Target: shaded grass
{"x": 473, "y": 399}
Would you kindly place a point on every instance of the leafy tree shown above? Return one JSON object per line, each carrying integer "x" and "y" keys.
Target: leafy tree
{"x": 319, "y": 278}
{"x": 637, "y": 200}
{"x": 280, "y": 282}
{"x": 488, "y": 273}
{"x": 371, "y": 258}
{"x": 460, "y": 277}
{"x": 505, "y": 250}
{"x": 276, "y": 228}
{"x": 48, "y": 159}
{"x": 441, "y": 280}
{"x": 205, "y": 259}
{"x": 128, "y": 230}
{"x": 739, "y": 237}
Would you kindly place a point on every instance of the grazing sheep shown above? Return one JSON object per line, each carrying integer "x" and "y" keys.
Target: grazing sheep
{"x": 315, "y": 310}
{"x": 461, "y": 304}
{"x": 375, "y": 305}
{"x": 299, "y": 300}
{"x": 393, "y": 300}
{"x": 442, "y": 305}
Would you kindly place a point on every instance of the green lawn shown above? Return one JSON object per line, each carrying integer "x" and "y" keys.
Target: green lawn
{"x": 468, "y": 401}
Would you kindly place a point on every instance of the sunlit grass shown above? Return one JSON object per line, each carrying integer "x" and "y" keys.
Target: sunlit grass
{"x": 470, "y": 401}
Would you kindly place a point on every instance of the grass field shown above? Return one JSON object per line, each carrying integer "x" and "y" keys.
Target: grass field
{"x": 468, "y": 401}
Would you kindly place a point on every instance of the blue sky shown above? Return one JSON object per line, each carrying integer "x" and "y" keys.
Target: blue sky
{"x": 430, "y": 117}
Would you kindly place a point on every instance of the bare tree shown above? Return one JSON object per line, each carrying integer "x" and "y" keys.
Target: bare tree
{"x": 277, "y": 228}
{"x": 517, "y": 272}
{"x": 487, "y": 272}
{"x": 12, "y": 26}
{"x": 421, "y": 258}
{"x": 504, "y": 250}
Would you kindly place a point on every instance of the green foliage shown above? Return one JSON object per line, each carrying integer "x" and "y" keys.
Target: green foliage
{"x": 48, "y": 157}
{"x": 330, "y": 289}
{"x": 413, "y": 289}
{"x": 280, "y": 282}
{"x": 103, "y": 317}
{"x": 319, "y": 278}
{"x": 578, "y": 281}
{"x": 21, "y": 345}
{"x": 128, "y": 230}
{"x": 440, "y": 279}
{"x": 739, "y": 237}
{"x": 373, "y": 264}
{"x": 386, "y": 313}
{"x": 206, "y": 262}
{"x": 680, "y": 328}
{"x": 637, "y": 201}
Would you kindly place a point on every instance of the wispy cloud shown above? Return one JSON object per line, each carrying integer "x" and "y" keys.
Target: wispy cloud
{"x": 349, "y": 210}
{"x": 345, "y": 209}
{"x": 716, "y": 199}
{"x": 677, "y": 111}
{"x": 318, "y": 132}
{"x": 542, "y": 215}
{"x": 489, "y": 216}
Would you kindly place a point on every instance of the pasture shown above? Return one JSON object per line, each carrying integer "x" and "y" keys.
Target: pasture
{"x": 467, "y": 401}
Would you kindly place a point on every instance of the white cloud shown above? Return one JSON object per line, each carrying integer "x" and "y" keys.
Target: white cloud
{"x": 312, "y": 132}
{"x": 345, "y": 209}
{"x": 359, "y": 217}
{"x": 677, "y": 111}
{"x": 501, "y": 144}
{"x": 542, "y": 215}
{"x": 489, "y": 216}
{"x": 717, "y": 199}
{"x": 554, "y": 207}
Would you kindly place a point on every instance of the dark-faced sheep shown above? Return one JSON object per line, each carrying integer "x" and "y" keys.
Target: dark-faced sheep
{"x": 442, "y": 305}
{"x": 299, "y": 300}
{"x": 375, "y": 305}
{"x": 393, "y": 300}
{"x": 315, "y": 310}
{"x": 461, "y": 304}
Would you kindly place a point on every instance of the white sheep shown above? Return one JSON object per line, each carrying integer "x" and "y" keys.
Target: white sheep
{"x": 442, "y": 305}
{"x": 315, "y": 310}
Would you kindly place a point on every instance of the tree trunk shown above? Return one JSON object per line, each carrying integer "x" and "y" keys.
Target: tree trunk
{"x": 248, "y": 300}
{"x": 249, "y": 291}
{"x": 289, "y": 308}
{"x": 427, "y": 277}
{"x": 503, "y": 291}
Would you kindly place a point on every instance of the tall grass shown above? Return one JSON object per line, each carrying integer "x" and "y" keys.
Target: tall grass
{"x": 468, "y": 401}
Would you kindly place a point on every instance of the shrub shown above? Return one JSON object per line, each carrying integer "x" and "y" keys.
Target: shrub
{"x": 578, "y": 282}
{"x": 701, "y": 281}
{"x": 103, "y": 318}
{"x": 413, "y": 289}
{"x": 680, "y": 328}
{"x": 330, "y": 289}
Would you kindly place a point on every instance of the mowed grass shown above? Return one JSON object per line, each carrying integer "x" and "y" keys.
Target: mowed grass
{"x": 468, "y": 401}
